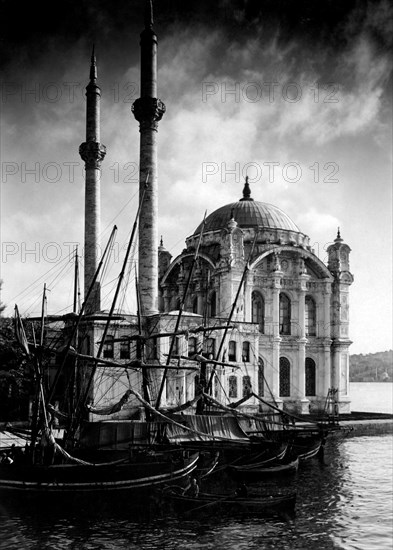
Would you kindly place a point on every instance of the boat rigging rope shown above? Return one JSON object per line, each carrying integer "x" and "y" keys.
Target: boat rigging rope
{"x": 51, "y": 440}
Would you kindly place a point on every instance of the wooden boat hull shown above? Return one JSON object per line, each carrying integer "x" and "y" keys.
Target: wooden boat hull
{"x": 253, "y": 504}
{"x": 70, "y": 478}
{"x": 306, "y": 449}
{"x": 207, "y": 463}
{"x": 253, "y": 472}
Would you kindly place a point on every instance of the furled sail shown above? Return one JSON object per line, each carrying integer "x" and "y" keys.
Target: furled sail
{"x": 110, "y": 409}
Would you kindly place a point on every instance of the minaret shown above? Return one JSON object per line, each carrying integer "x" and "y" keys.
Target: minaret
{"x": 148, "y": 111}
{"x": 93, "y": 153}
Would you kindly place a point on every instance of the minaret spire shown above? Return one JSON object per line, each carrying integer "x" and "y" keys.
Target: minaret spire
{"x": 149, "y": 15}
{"x": 93, "y": 67}
{"x": 93, "y": 153}
{"x": 148, "y": 111}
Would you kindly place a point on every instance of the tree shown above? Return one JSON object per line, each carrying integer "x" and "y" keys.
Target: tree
{"x": 15, "y": 375}
{"x": 2, "y": 306}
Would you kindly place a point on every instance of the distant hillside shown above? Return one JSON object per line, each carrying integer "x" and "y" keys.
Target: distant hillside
{"x": 372, "y": 367}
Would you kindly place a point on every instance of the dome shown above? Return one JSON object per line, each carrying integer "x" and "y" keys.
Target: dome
{"x": 248, "y": 213}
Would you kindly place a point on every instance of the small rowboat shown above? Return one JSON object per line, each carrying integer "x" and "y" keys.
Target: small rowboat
{"x": 253, "y": 504}
{"x": 251, "y": 471}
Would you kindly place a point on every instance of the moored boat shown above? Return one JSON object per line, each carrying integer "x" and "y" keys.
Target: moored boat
{"x": 153, "y": 472}
{"x": 254, "y": 503}
{"x": 250, "y": 472}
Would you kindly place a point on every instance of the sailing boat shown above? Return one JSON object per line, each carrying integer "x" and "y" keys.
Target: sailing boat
{"x": 64, "y": 460}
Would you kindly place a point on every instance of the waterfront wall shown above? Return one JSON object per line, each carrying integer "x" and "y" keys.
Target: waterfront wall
{"x": 364, "y": 427}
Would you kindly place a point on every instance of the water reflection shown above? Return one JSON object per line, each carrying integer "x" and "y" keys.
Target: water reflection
{"x": 345, "y": 502}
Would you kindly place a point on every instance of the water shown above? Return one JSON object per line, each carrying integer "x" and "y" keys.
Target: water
{"x": 344, "y": 502}
{"x": 371, "y": 396}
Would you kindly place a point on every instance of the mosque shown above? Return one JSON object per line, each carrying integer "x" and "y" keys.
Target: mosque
{"x": 252, "y": 294}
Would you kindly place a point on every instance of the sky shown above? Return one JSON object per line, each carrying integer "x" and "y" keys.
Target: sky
{"x": 296, "y": 95}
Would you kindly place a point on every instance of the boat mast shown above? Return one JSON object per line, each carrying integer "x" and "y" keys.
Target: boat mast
{"x": 229, "y": 320}
{"x": 181, "y": 307}
{"x": 110, "y": 315}
{"x": 76, "y": 281}
{"x": 140, "y": 351}
{"x": 40, "y": 397}
{"x": 82, "y": 310}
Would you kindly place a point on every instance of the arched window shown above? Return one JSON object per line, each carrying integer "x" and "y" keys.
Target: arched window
{"x": 108, "y": 347}
{"x": 192, "y": 346}
{"x": 285, "y": 314}
{"x": 310, "y": 316}
{"x": 246, "y": 352}
{"x": 83, "y": 345}
{"x": 246, "y": 386}
{"x": 310, "y": 377}
{"x": 261, "y": 377}
{"x": 232, "y": 350}
{"x": 232, "y": 390}
{"x": 195, "y": 305}
{"x": 258, "y": 310}
{"x": 210, "y": 348}
{"x": 212, "y": 305}
{"x": 285, "y": 377}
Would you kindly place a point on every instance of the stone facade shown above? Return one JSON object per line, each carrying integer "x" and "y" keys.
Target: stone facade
{"x": 291, "y": 338}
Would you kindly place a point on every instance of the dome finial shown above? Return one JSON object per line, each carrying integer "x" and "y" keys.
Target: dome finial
{"x": 161, "y": 242}
{"x": 338, "y": 238}
{"x": 246, "y": 191}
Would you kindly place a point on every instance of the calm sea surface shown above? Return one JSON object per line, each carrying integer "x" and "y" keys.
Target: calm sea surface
{"x": 372, "y": 396}
{"x": 344, "y": 501}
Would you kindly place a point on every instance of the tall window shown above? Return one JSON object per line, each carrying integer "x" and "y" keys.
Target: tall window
{"x": 285, "y": 314}
{"x": 246, "y": 386}
{"x": 108, "y": 347}
{"x": 197, "y": 388}
{"x": 310, "y": 377}
{"x": 258, "y": 310}
{"x": 125, "y": 349}
{"x": 192, "y": 346}
{"x": 195, "y": 305}
{"x": 177, "y": 346}
{"x": 261, "y": 377}
{"x": 310, "y": 316}
{"x": 216, "y": 386}
{"x": 246, "y": 352}
{"x": 212, "y": 309}
{"x": 232, "y": 350}
{"x": 210, "y": 348}
{"x": 285, "y": 377}
{"x": 83, "y": 345}
{"x": 232, "y": 390}
{"x": 154, "y": 348}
